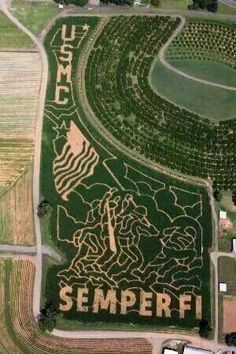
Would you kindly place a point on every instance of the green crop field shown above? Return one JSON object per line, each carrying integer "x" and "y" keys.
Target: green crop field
{"x": 213, "y": 102}
{"x": 135, "y": 240}
{"x": 216, "y": 72}
{"x": 11, "y": 36}
{"x": 34, "y": 14}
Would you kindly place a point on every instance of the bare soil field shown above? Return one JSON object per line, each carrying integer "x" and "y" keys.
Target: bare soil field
{"x": 20, "y": 74}
{"x": 16, "y": 213}
{"x": 229, "y": 309}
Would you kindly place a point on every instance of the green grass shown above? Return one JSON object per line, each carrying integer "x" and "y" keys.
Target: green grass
{"x": 215, "y": 72}
{"x": 11, "y": 36}
{"x": 34, "y": 14}
{"x": 214, "y": 103}
{"x": 225, "y": 9}
{"x": 174, "y": 4}
{"x": 227, "y": 273}
{"x": 71, "y": 325}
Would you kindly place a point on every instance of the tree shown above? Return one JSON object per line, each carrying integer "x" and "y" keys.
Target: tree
{"x": 210, "y": 5}
{"x": 155, "y": 2}
{"x": 230, "y": 339}
{"x": 204, "y": 328}
{"x": 217, "y": 195}
{"x": 47, "y": 318}
{"x": 44, "y": 208}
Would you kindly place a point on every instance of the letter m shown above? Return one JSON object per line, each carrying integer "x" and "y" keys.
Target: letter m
{"x": 103, "y": 303}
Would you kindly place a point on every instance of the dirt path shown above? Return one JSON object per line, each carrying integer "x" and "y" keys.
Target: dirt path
{"x": 161, "y": 57}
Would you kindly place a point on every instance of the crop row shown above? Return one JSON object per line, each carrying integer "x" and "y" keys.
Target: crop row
{"x": 205, "y": 41}
{"x": 119, "y": 93}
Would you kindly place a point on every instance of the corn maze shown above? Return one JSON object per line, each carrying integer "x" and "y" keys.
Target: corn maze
{"x": 135, "y": 241}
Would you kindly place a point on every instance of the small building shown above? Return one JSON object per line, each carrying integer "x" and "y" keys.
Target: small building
{"x": 137, "y": 3}
{"x": 223, "y": 287}
{"x": 233, "y": 245}
{"x": 223, "y": 215}
{"x": 192, "y": 350}
{"x": 60, "y": 6}
{"x": 169, "y": 351}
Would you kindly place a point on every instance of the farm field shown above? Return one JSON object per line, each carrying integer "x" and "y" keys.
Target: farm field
{"x": 227, "y": 273}
{"x": 215, "y": 72}
{"x": 131, "y": 217}
{"x": 214, "y": 103}
{"x": 16, "y": 213}
{"x": 119, "y": 94}
{"x": 20, "y": 75}
{"x": 34, "y": 14}
{"x": 11, "y": 36}
{"x": 21, "y": 333}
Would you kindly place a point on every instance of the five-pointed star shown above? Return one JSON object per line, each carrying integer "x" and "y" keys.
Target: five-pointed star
{"x": 61, "y": 131}
{"x": 85, "y": 27}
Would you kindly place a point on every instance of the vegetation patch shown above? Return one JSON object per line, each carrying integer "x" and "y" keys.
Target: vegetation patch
{"x": 12, "y": 36}
{"x": 118, "y": 70}
{"x": 216, "y": 103}
{"x": 34, "y": 14}
{"x": 215, "y": 72}
{"x": 136, "y": 241}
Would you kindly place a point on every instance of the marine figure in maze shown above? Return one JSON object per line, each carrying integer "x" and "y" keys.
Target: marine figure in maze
{"x": 118, "y": 247}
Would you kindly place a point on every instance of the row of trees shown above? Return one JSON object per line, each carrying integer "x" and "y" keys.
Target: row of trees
{"x": 210, "y": 5}
{"x": 118, "y": 70}
{"x": 205, "y": 41}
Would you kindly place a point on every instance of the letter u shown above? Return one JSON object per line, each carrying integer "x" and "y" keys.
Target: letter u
{"x": 72, "y": 34}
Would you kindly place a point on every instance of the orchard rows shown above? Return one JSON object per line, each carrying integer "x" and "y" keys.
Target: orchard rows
{"x": 119, "y": 93}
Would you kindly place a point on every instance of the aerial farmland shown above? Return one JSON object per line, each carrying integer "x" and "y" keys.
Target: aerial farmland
{"x": 117, "y": 177}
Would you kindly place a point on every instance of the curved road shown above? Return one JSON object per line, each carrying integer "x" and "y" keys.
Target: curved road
{"x": 161, "y": 57}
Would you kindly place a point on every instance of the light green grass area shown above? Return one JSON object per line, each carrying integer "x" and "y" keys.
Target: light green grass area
{"x": 34, "y": 14}
{"x": 206, "y": 70}
{"x": 11, "y": 36}
{"x": 225, "y": 9}
{"x": 214, "y": 103}
{"x": 174, "y": 4}
{"x": 227, "y": 273}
